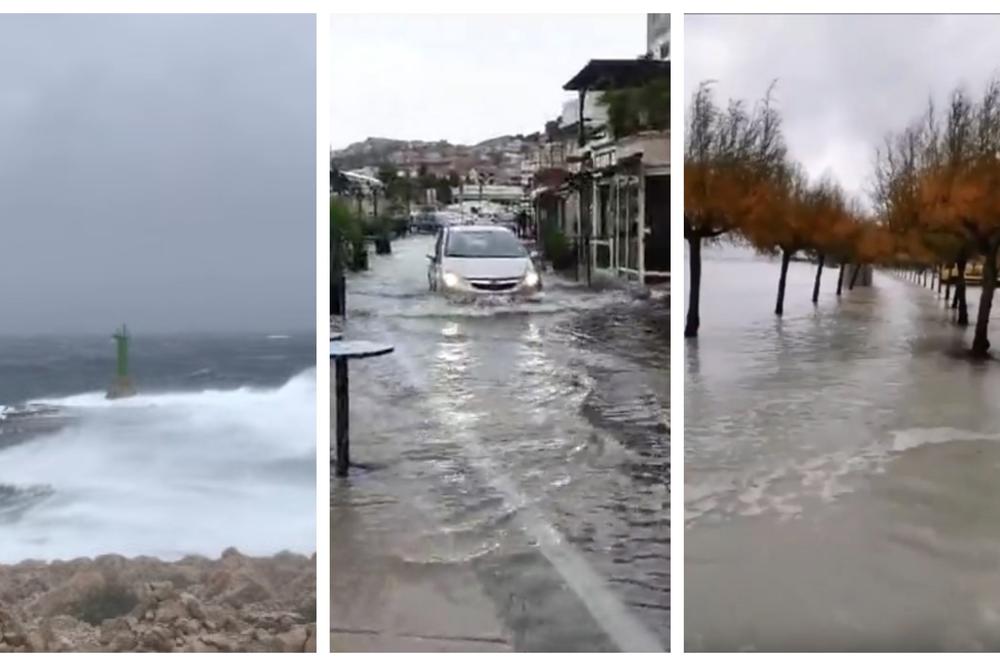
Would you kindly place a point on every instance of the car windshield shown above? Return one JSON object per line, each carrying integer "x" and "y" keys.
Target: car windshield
{"x": 484, "y": 244}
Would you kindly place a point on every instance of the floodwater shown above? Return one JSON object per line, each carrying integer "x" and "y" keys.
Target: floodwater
{"x": 841, "y": 468}
{"x": 527, "y": 443}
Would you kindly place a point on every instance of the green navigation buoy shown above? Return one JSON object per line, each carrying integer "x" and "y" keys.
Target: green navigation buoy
{"x": 122, "y": 386}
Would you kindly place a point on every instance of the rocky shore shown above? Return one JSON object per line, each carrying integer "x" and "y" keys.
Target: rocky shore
{"x": 114, "y": 604}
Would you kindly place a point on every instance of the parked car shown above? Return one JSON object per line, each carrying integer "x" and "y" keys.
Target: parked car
{"x": 482, "y": 260}
{"x": 424, "y": 223}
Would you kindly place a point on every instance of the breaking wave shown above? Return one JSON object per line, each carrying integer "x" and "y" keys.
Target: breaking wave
{"x": 166, "y": 475}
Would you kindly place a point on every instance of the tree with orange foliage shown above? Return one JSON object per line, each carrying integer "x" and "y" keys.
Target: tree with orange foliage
{"x": 964, "y": 194}
{"x": 899, "y": 193}
{"x": 728, "y": 155}
{"x": 782, "y": 221}
{"x": 842, "y": 240}
{"x": 834, "y": 231}
{"x": 875, "y": 244}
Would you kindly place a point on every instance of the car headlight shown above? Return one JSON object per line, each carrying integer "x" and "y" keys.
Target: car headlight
{"x": 531, "y": 279}
{"x": 450, "y": 279}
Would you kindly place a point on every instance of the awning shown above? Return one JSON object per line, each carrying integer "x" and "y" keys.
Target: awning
{"x": 614, "y": 74}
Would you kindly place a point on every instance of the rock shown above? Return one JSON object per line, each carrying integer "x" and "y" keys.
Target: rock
{"x": 111, "y": 563}
{"x": 62, "y": 632}
{"x": 233, "y": 559}
{"x": 218, "y": 582}
{"x": 274, "y": 622}
{"x": 9, "y": 624}
{"x": 189, "y": 627}
{"x": 123, "y": 642}
{"x": 34, "y": 641}
{"x": 194, "y": 607}
{"x": 195, "y": 644}
{"x": 223, "y": 643}
{"x": 117, "y": 604}
{"x": 60, "y": 645}
{"x": 158, "y": 639}
{"x": 170, "y": 611}
{"x": 293, "y": 640}
{"x": 159, "y": 591}
{"x": 310, "y": 638}
{"x": 14, "y": 637}
{"x": 116, "y": 628}
{"x": 245, "y": 590}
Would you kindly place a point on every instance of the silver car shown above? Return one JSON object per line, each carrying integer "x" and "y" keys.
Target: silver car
{"x": 482, "y": 260}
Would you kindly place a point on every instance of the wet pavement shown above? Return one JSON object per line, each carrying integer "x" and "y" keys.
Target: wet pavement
{"x": 841, "y": 469}
{"x": 516, "y": 466}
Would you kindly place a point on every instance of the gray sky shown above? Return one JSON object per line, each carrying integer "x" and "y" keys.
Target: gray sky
{"x": 463, "y": 78}
{"x": 843, "y": 82}
{"x": 157, "y": 170}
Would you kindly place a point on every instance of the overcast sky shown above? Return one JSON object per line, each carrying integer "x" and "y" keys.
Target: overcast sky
{"x": 463, "y": 78}
{"x": 843, "y": 82}
{"x": 157, "y": 170}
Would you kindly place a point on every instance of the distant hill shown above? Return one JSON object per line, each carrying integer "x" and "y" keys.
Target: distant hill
{"x": 375, "y": 151}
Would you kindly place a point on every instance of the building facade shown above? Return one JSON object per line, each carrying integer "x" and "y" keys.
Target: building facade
{"x": 609, "y": 193}
{"x": 658, "y": 36}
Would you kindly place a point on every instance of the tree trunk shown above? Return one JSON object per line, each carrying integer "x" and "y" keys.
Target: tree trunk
{"x": 963, "y": 307}
{"x": 963, "y": 310}
{"x": 694, "y": 301}
{"x": 786, "y": 257}
{"x": 854, "y": 277}
{"x": 980, "y": 342}
{"x": 819, "y": 273}
{"x": 337, "y": 304}
{"x": 959, "y": 275}
{"x": 840, "y": 279}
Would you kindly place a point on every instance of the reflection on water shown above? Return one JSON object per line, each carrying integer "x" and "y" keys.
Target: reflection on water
{"x": 527, "y": 441}
{"x": 841, "y": 465}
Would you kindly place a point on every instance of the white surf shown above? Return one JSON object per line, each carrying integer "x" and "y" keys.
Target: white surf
{"x": 168, "y": 475}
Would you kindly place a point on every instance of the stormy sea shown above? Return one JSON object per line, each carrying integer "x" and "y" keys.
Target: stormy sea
{"x": 216, "y": 450}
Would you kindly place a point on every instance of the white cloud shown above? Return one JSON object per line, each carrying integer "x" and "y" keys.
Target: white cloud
{"x": 463, "y": 78}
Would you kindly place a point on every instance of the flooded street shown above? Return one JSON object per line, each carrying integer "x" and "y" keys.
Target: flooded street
{"x": 522, "y": 449}
{"x": 841, "y": 468}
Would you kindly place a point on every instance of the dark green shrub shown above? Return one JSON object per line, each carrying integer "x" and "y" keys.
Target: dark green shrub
{"x": 348, "y": 247}
{"x": 557, "y": 248}
{"x": 109, "y": 601}
{"x": 632, "y": 110}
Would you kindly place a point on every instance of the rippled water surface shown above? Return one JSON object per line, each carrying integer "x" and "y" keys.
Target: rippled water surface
{"x": 528, "y": 442}
{"x": 841, "y": 468}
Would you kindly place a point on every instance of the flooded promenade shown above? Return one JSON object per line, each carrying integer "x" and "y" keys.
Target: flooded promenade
{"x": 515, "y": 459}
{"x": 841, "y": 466}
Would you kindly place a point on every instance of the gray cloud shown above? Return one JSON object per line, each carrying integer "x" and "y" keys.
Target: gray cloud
{"x": 159, "y": 170}
{"x": 463, "y": 78}
{"x": 843, "y": 82}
